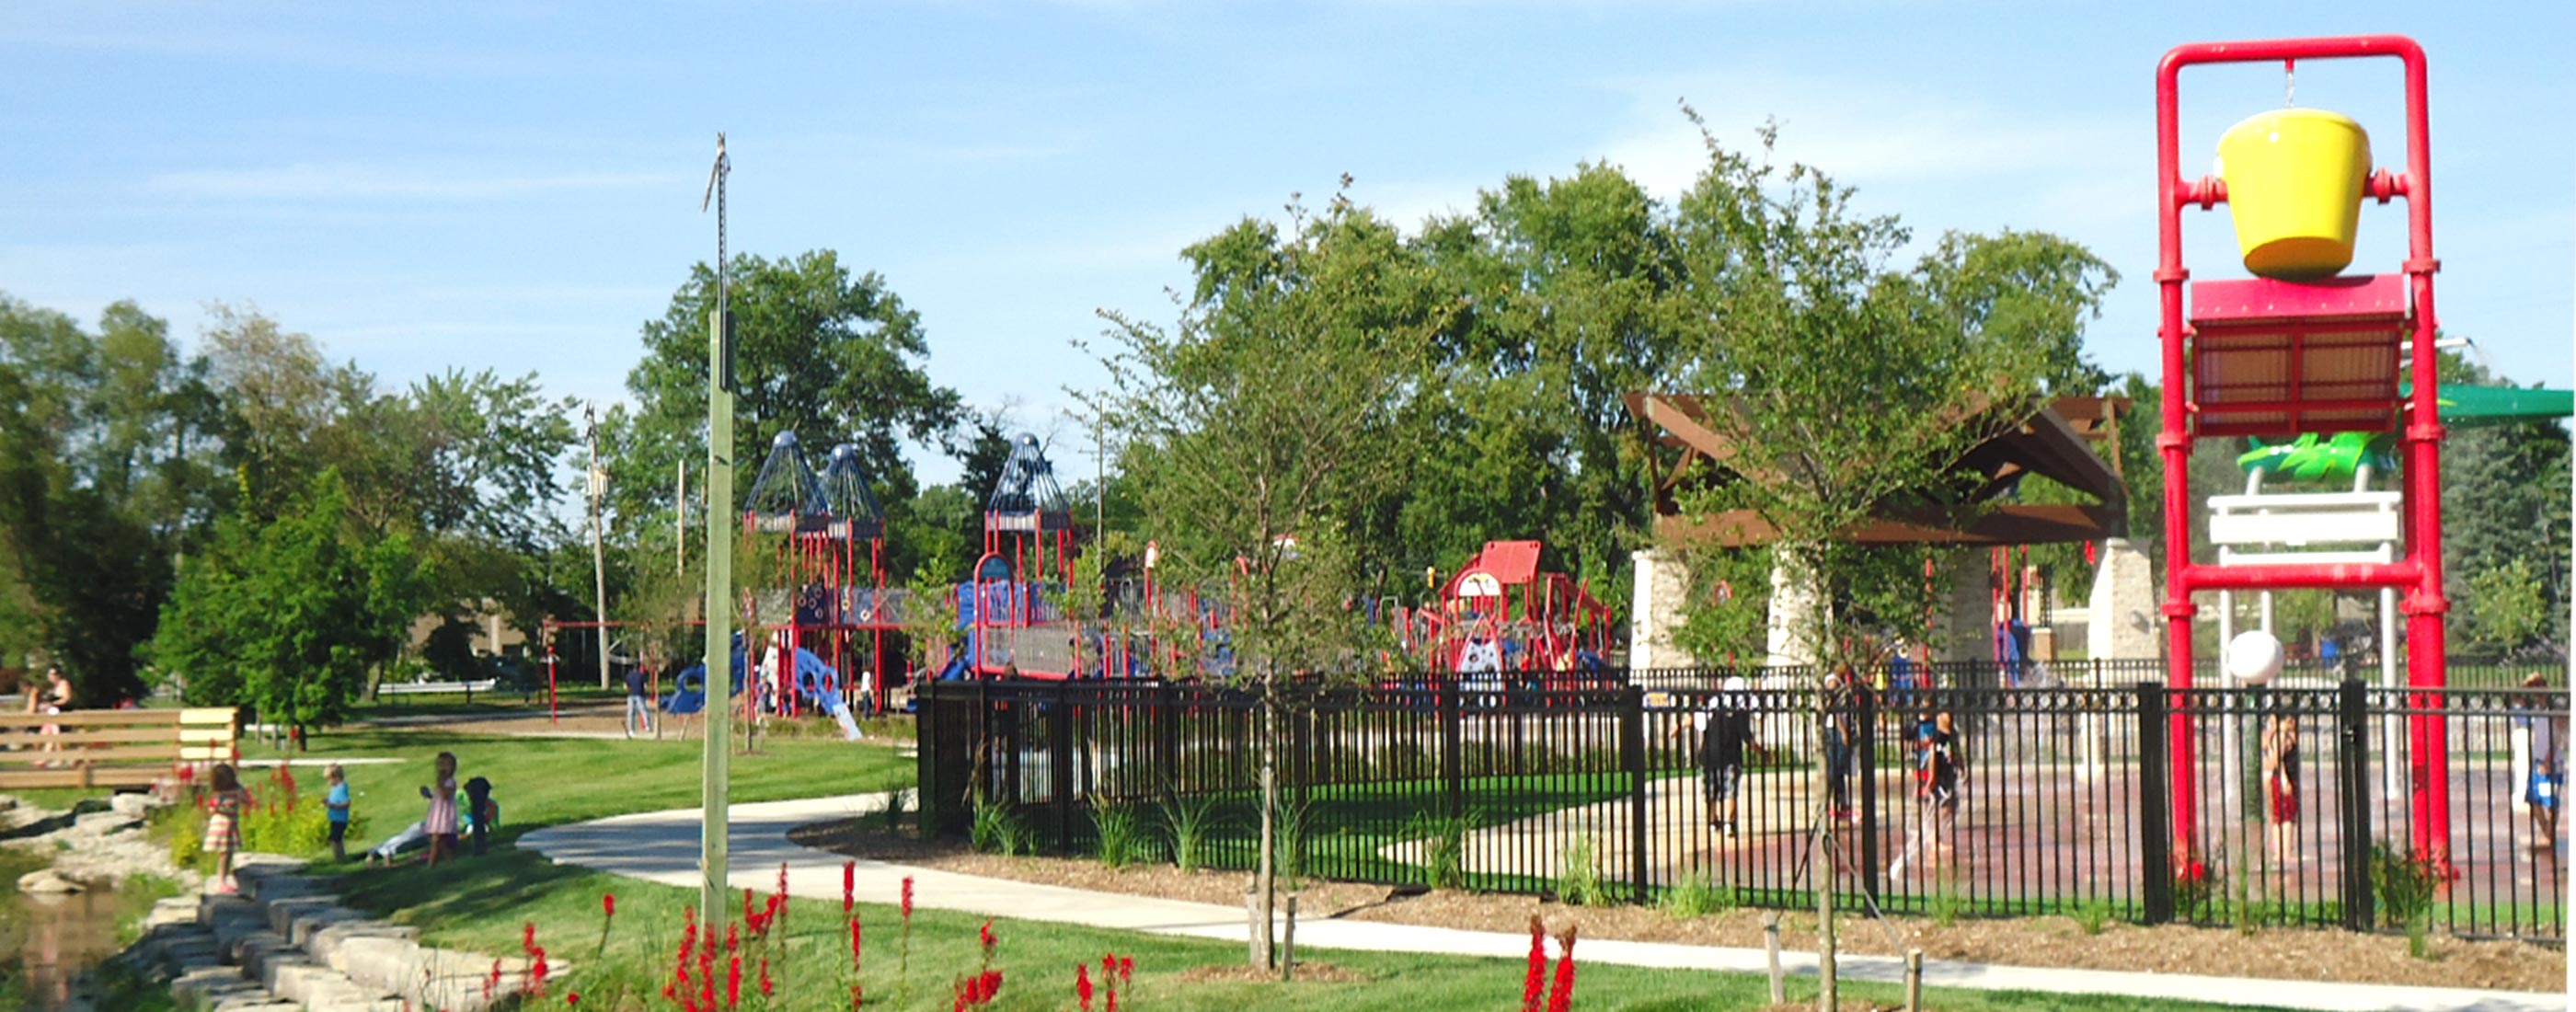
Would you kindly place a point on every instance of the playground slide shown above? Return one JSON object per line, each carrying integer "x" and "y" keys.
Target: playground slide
{"x": 831, "y": 704}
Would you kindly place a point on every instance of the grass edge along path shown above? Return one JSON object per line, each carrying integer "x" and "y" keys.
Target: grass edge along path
{"x": 491, "y": 905}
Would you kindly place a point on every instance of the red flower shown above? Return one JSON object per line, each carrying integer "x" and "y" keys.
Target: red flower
{"x": 528, "y": 938}
{"x": 492, "y": 981}
{"x": 733, "y": 982}
{"x": 907, "y": 897}
{"x": 1561, "y": 997}
{"x": 984, "y": 937}
{"x": 733, "y": 937}
{"x": 854, "y": 942}
{"x": 854, "y": 998}
{"x": 608, "y": 904}
{"x": 1126, "y": 968}
{"x": 849, "y": 886}
{"x": 573, "y": 998}
{"x": 1082, "y": 985}
{"x": 765, "y": 988}
{"x": 747, "y": 915}
{"x": 1535, "y": 984}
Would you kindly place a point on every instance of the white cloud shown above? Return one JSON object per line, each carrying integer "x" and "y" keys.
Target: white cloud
{"x": 1875, "y": 133}
{"x": 360, "y": 181}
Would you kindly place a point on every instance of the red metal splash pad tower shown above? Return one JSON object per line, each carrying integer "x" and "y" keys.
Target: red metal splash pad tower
{"x": 2269, "y": 357}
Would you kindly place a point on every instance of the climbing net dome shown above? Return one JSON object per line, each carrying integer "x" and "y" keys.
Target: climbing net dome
{"x": 1025, "y": 497}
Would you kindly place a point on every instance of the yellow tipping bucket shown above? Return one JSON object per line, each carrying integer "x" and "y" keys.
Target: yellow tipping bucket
{"x": 2294, "y": 182}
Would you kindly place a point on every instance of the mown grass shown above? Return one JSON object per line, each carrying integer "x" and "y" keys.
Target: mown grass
{"x": 484, "y": 905}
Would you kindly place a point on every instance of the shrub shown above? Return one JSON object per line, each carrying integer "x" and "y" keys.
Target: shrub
{"x": 1186, "y": 826}
{"x": 1578, "y": 875}
{"x": 1291, "y": 842}
{"x": 1444, "y": 852}
{"x": 1695, "y": 896}
{"x": 1946, "y": 904}
{"x": 2194, "y": 885}
{"x": 2093, "y": 915}
{"x": 996, "y": 828}
{"x": 1117, "y": 833}
{"x": 2404, "y": 882}
{"x": 890, "y": 818}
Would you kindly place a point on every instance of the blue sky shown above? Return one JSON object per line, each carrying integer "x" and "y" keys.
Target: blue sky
{"x": 516, "y": 186}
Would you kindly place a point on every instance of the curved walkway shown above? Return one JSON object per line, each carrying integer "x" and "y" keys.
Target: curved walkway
{"x": 663, "y": 847}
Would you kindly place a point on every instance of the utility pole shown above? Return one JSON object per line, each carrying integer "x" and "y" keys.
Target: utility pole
{"x": 680, "y": 522}
{"x": 598, "y": 554}
{"x": 718, "y": 741}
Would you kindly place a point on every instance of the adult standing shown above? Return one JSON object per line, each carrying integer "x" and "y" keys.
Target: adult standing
{"x": 1840, "y": 703}
{"x": 2548, "y": 777}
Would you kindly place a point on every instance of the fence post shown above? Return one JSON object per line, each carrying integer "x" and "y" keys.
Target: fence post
{"x": 1632, "y": 755}
{"x": 929, "y": 815}
{"x": 2155, "y": 816}
{"x": 1060, "y": 764}
{"x": 1167, "y": 736}
{"x": 2352, "y": 766}
{"x": 1867, "y": 747}
{"x": 1453, "y": 749}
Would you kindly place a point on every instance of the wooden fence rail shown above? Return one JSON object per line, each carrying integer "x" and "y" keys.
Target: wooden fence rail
{"x": 112, "y": 748}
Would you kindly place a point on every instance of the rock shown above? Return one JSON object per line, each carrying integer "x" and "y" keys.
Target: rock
{"x": 133, "y": 805}
{"x": 104, "y": 823}
{"x": 46, "y": 881}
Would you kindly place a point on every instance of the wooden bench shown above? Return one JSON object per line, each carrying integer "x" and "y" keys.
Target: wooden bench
{"x": 113, "y": 748}
{"x": 437, "y": 688}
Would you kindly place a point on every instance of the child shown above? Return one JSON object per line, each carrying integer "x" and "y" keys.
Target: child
{"x": 336, "y": 803}
{"x": 481, "y": 812}
{"x": 441, "y": 820}
{"x": 223, "y": 824}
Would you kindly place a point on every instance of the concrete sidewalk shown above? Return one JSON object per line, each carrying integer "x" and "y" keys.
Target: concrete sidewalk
{"x": 663, "y": 847}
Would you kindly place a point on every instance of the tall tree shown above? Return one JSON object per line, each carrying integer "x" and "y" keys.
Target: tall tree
{"x": 291, "y": 614}
{"x": 832, "y": 356}
{"x": 1853, "y": 387}
{"x": 105, "y": 475}
{"x": 1252, "y": 429}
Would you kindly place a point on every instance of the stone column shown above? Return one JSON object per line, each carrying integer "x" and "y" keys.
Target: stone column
{"x": 1795, "y": 593}
{"x": 2124, "y": 617}
{"x": 1655, "y": 610}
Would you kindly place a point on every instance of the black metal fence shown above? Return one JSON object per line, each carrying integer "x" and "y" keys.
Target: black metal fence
{"x": 1596, "y": 790}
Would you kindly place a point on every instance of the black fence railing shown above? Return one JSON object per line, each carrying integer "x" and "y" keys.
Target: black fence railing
{"x": 2063, "y": 803}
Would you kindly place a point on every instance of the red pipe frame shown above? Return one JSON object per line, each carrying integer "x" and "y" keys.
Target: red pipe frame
{"x": 2422, "y": 569}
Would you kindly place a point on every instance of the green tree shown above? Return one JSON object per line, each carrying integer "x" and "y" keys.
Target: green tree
{"x": 832, "y": 356}
{"x": 2504, "y": 606}
{"x": 1852, "y": 387}
{"x": 290, "y": 615}
{"x": 106, "y": 474}
{"x": 1251, "y": 429}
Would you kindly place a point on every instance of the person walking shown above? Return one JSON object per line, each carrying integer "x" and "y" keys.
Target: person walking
{"x": 1725, "y": 729}
{"x": 223, "y": 824}
{"x": 1936, "y": 791}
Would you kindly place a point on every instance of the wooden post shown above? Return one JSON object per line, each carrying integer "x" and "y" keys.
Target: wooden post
{"x": 1771, "y": 945}
{"x": 1913, "y": 980}
{"x": 1288, "y": 943}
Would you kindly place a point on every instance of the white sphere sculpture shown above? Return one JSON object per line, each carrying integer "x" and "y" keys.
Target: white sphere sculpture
{"x": 2253, "y": 657}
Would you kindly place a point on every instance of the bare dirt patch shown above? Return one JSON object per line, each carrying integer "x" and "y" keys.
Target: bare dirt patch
{"x": 2276, "y": 953}
{"x": 1307, "y": 973}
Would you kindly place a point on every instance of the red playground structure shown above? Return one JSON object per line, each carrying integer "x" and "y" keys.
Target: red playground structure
{"x": 2301, "y": 348}
{"x": 1499, "y": 612}
{"x": 832, "y": 536}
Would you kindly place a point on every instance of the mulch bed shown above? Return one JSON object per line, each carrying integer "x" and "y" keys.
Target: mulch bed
{"x": 2276, "y": 953}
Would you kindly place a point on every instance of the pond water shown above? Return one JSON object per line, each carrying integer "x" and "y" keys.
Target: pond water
{"x": 51, "y": 939}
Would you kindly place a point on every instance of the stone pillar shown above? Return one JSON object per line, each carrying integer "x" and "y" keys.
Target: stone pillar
{"x": 1969, "y": 635}
{"x": 1795, "y": 594}
{"x": 1655, "y": 610}
{"x": 2123, "y": 619}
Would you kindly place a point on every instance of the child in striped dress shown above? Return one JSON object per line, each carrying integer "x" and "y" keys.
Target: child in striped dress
{"x": 223, "y": 824}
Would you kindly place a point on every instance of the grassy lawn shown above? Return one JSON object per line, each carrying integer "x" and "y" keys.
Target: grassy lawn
{"x": 548, "y": 781}
{"x": 483, "y": 905}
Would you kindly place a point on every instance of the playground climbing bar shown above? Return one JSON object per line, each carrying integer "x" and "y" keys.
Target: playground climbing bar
{"x": 2296, "y": 312}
